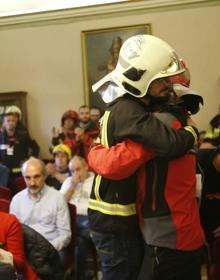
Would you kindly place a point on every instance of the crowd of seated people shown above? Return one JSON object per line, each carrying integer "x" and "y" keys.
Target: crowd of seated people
{"x": 39, "y": 209}
{"x": 78, "y": 131}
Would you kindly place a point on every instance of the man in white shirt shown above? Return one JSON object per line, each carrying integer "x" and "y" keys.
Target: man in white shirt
{"x": 41, "y": 207}
{"x": 76, "y": 190}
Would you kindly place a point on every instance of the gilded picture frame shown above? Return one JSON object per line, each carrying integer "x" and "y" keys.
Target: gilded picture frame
{"x": 100, "y": 53}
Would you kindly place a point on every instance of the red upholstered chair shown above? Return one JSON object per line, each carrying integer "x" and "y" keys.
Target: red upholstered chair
{"x": 5, "y": 193}
{"x": 20, "y": 183}
{"x": 4, "y": 205}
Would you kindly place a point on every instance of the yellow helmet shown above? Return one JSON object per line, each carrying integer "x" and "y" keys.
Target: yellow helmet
{"x": 142, "y": 59}
{"x": 62, "y": 148}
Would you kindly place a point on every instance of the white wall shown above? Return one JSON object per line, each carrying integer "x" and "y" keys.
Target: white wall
{"x": 46, "y": 61}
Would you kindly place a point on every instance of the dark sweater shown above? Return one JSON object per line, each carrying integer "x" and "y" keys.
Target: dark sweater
{"x": 210, "y": 200}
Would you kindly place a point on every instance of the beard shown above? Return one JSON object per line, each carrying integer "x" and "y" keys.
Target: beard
{"x": 158, "y": 100}
{"x": 34, "y": 189}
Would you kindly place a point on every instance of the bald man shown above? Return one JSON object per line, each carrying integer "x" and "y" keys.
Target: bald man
{"x": 41, "y": 207}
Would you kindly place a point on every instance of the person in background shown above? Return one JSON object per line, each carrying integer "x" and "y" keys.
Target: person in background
{"x": 201, "y": 137}
{"x": 69, "y": 121}
{"x": 209, "y": 163}
{"x": 214, "y": 128}
{"x": 58, "y": 171}
{"x": 76, "y": 190}
{"x": 86, "y": 133}
{"x": 133, "y": 90}
{"x": 45, "y": 208}
{"x": 95, "y": 114}
{"x": 12, "y": 247}
{"x": 16, "y": 145}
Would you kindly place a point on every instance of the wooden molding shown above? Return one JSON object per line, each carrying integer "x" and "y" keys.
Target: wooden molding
{"x": 77, "y": 14}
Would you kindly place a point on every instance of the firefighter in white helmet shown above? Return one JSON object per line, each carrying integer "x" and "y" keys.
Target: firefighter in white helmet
{"x": 13, "y": 110}
{"x": 139, "y": 83}
{"x": 16, "y": 145}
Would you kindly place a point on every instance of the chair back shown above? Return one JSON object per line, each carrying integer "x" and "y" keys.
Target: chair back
{"x": 5, "y": 193}
{"x": 70, "y": 256}
{"x": 19, "y": 183}
{"x": 4, "y": 205}
{"x": 72, "y": 209}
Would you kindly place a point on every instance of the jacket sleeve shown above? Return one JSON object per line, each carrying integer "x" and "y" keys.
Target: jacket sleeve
{"x": 119, "y": 161}
{"x": 15, "y": 242}
{"x": 15, "y": 245}
{"x": 130, "y": 120}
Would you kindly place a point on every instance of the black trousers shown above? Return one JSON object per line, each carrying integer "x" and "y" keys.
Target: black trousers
{"x": 166, "y": 264}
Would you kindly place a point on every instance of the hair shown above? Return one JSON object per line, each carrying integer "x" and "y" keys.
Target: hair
{"x": 96, "y": 108}
{"x": 24, "y": 165}
{"x": 81, "y": 159}
{"x": 83, "y": 107}
{"x": 214, "y": 141}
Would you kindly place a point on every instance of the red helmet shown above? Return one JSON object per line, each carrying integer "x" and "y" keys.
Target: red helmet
{"x": 70, "y": 114}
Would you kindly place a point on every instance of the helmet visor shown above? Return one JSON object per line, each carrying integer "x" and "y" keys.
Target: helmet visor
{"x": 173, "y": 68}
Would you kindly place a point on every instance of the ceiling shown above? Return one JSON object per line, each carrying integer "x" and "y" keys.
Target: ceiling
{"x": 20, "y": 7}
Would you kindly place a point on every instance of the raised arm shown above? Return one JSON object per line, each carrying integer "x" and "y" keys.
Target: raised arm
{"x": 119, "y": 161}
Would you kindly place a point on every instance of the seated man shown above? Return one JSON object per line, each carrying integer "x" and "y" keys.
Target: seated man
{"x": 58, "y": 171}
{"x": 12, "y": 250}
{"x": 76, "y": 190}
{"x": 41, "y": 207}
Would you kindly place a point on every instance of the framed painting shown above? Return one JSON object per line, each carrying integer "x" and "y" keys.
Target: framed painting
{"x": 100, "y": 55}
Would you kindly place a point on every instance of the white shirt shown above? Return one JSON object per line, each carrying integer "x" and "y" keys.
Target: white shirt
{"x": 81, "y": 193}
{"x": 48, "y": 215}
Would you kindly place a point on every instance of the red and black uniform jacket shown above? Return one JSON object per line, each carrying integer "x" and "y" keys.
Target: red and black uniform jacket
{"x": 81, "y": 147}
{"x": 112, "y": 204}
{"x": 14, "y": 150}
{"x": 11, "y": 240}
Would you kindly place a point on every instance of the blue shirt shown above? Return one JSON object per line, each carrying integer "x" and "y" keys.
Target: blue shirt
{"x": 48, "y": 215}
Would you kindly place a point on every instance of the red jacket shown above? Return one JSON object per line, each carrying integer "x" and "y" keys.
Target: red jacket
{"x": 11, "y": 238}
{"x": 176, "y": 215}
{"x": 82, "y": 146}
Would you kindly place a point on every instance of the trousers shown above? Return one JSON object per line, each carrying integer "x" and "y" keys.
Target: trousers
{"x": 120, "y": 254}
{"x": 167, "y": 264}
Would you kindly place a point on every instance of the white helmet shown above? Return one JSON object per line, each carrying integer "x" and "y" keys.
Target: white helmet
{"x": 142, "y": 59}
{"x": 13, "y": 110}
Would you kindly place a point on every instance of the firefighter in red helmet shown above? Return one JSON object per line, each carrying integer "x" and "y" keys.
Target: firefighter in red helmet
{"x": 69, "y": 122}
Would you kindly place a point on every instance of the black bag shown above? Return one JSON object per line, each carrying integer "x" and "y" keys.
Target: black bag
{"x": 7, "y": 272}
